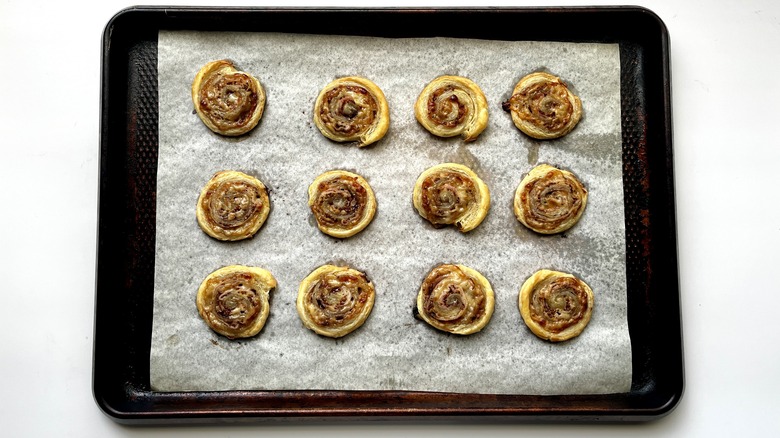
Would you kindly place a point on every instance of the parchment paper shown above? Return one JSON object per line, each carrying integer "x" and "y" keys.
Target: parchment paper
{"x": 392, "y": 351}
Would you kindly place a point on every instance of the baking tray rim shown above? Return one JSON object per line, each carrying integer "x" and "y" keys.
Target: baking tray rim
{"x": 661, "y": 407}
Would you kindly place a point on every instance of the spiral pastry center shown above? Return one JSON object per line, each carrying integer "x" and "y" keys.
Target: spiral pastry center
{"x": 545, "y": 105}
{"x": 236, "y": 302}
{"x": 340, "y": 202}
{"x": 348, "y": 110}
{"x": 552, "y": 200}
{"x": 337, "y": 297}
{"x": 559, "y": 304}
{"x": 447, "y": 196}
{"x": 229, "y": 100}
{"x": 447, "y": 302}
{"x": 449, "y": 106}
{"x": 233, "y": 203}
{"x": 450, "y": 296}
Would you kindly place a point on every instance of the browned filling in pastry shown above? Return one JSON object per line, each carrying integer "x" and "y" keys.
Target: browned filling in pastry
{"x": 338, "y": 297}
{"x": 556, "y": 306}
{"x": 455, "y": 299}
{"x": 333, "y": 301}
{"x": 447, "y": 197}
{"x": 552, "y": 200}
{"x": 229, "y": 100}
{"x": 558, "y": 303}
{"x": 340, "y": 202}
{"x": 451, "y": 194}
{"x": 445, "y": 108}
{"x": 231, "y": 204}
{"x": 352, "y": 109}
{"x": 450, "y": 106}
{"x": 234, "y": 300}
{"x": 348, "y": 111}
{"x": 545, "y": 105}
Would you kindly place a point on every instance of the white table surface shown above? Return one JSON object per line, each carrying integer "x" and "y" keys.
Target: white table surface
{"x": 725, "y": 70}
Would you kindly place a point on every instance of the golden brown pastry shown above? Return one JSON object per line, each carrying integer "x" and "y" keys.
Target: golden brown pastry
{"x": 335, "y": 300}
{"x": 456, "y": 299}
{"x": 543, "y": 107}
{"x": 550, "y": 200}
{"x": 556, "y": 306}
{"x": 234, "y": 300}
{"x": 451, "y": 194}
{"x": 452, "y": 105}
{"x": 352, "y": 109}
{"x": 342, "y": 203}
{"x": 232, "y": 206}
{"x": 229, "y": 102}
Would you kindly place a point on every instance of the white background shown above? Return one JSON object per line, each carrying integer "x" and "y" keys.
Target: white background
{"x": 725, "y": 70}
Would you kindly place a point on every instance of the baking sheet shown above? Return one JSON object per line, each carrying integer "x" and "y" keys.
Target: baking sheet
{"x": 392, "y": 351}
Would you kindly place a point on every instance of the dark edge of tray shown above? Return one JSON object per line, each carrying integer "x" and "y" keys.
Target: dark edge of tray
{"x": 126, "y": 237}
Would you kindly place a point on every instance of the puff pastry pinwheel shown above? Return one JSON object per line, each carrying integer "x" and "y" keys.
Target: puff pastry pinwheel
{"x": 543, "y": 107}
{"x": 451, "y": 194}
{"x": 452, "y": 105}
{"x": 333, "y": 301}
{"x": 342, "y": 202}
{"x": 232, "y": 206}
{"x": 352, "y": 109}
{"x": 455, "y": 299}
{"x": 556, "y": 306}
{"x": 549, "y": 200}
{"x": 234, "y": 300}
{"x": 228, "y": 101}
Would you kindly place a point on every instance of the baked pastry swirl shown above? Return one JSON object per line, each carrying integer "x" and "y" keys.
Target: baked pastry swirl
{"x": 452, "y": 105}
{"x": 342, "y": 202}
{"x": 234, "y": 300}
{"x": 451, "y": 194}
{"x": 228, "y": 101}
{"x": 549, "y": 200}
{"x": 352, "y": 109}
{"x": 333, "y": 301}
{"x": 556, "y": 306}
{"x": 232, "y": 206}
{"x": 455, "y": 299}
{"x": 543, "y": 107}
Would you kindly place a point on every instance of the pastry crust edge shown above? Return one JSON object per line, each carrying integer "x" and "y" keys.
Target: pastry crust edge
{"x": 336, "y": 332}
{"x": 476, "y": 215}
{"x": 262, "y": 215}
{"x": 265, "y": 277}
{"x": 524, "y": 304}
{"x": 214, "y": 67}
{"x": 482, "y": 322}
{"x": 477, "y": 122}
{"x": 380, "y": 127}
{"x": 539, "y": 172}
{"x": 370, "y": 208}
{"x": 532, "y": 130}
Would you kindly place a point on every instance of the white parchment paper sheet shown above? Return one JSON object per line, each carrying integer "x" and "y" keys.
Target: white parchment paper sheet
{"x": 392, "y": 351}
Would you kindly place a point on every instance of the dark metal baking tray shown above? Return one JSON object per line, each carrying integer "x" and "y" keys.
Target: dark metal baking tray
{"x": 126, "y": 226}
